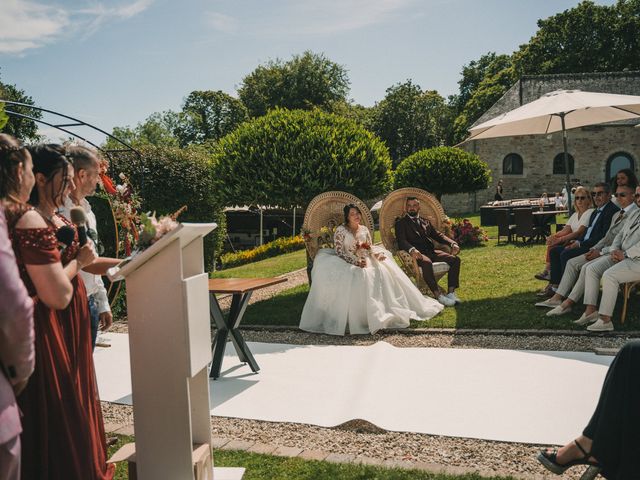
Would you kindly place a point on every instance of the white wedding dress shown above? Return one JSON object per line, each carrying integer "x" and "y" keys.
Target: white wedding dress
{"x": 367, "y": 299}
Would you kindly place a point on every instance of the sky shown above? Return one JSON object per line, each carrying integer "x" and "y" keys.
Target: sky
{"x": 114, "y": 62}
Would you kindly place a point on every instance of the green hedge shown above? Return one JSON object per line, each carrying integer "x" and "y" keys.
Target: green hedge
{"x": 443, "y": 170}
{"x": 271, "y": 249}
{"x": 166, "y": 178}
{"x": 287, "y": 157}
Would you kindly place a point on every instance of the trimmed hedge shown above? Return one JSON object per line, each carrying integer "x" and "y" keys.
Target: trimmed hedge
{"x": 267, "y": 250}
{"x": 287, "y": 157}
{"x": 443, "y": 170}
{"x": 166, "y": 178}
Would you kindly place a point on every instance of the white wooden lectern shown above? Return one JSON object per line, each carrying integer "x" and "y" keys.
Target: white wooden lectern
{"x": 170, "y": 348}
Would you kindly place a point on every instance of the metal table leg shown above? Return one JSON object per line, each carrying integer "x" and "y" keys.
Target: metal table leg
{"x": 230, "y": 326}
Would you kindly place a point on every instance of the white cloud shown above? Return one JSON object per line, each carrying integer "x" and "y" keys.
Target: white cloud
{"x": 26, "y": 24}
{"x": 123, "y": 11}
{"x": 332, "y": 16}
{"x": 221, "y": 22}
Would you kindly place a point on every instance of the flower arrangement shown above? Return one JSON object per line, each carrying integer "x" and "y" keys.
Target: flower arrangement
{"x": 447, "y": 227}
{"x": 324, "y": 236}
{"x": 363, "y": 249}
{"x": 125, "y": 205}
{"x": 465, "y": 234}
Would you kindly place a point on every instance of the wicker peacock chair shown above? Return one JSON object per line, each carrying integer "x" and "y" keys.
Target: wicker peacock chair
{"x": 324, "y": 214}
{"x": 393, "y": 208}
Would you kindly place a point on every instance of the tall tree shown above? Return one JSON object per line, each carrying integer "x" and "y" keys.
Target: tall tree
{"x": 208, "y": 116}
{"x": 409, "y": 119}
{"x": 19, "y": 127}
{"x": 158, "y": 129}
{"x": 304, "y": 82}
{"x": 586, "y": 38}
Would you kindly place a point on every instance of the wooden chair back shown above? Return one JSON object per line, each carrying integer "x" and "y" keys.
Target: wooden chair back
{"x": 323, "y": 215}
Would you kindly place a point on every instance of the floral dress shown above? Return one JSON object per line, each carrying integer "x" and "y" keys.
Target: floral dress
{"x": 345, "y": 297}
{"x": 63, "y": 432}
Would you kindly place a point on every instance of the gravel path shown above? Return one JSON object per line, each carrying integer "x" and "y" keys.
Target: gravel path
{"x": 500, "y": 458}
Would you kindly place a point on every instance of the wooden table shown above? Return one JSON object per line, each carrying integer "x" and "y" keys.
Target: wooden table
{"x": 540, "y": 217}
{"x": 241, "y": 289}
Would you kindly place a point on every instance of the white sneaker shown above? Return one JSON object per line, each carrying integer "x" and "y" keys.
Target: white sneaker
{"x": 454, "y": 297}
{"x": 587, "y": 319}
{"x": 446, "y": 301}
{"x": 557, "y": 311}
{"x": 601, "y": 326}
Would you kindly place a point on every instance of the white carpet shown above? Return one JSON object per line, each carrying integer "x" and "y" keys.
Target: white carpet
{"x": 506, "y": 395}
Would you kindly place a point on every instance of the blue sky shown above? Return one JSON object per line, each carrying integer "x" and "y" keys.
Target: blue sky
{"x": 112, "y": 63}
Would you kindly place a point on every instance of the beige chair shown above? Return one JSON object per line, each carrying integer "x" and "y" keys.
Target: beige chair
{"x": 393, "y": 208}
{"x": 324, "y": 214}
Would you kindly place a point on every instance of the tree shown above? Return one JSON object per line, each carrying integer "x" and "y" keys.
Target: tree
{"x": 443, "y": 170}
{"x": 304, "y": 82}
{"x": 408, "y": 120}
{"x": 586, "y": 38}
{"x": 158, "y": 129}
{"x": 286, "y": 158}
{"x": 19, "y": 127}
{"x": 207, "y": 116}
{"x": 489, "y": 91}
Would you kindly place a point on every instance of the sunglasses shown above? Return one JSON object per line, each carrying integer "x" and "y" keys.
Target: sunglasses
{"x": 597, "y": 194}
{"x": 581, "y": 198}
{"x": 636, "y": 195}
{"x": 622, "y": 195}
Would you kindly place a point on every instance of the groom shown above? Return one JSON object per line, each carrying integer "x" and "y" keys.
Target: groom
{"x": 416, "y": 235}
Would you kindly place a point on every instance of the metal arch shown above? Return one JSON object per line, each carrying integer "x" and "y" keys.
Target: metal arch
{"x": 63, "y": 127}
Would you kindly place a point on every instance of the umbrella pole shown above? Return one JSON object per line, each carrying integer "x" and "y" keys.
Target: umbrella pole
{"x": 566, "y": 162}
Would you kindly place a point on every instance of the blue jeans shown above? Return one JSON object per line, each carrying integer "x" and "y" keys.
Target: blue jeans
{"x": 95, "y": 320}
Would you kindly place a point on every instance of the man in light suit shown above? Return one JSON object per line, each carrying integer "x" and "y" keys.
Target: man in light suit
{"x": 598, "y": 225}
{"x": 572, "y": 283}
{"x": 619, "y": 264}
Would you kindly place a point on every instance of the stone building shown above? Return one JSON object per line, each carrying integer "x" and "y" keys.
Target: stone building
{"x": 532, "y": 164}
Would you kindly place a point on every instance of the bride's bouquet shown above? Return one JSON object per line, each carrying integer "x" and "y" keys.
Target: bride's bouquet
{"x": 363, "y": 249}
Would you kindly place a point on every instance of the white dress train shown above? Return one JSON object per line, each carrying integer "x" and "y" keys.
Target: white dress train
{"x": 367, "y": 299}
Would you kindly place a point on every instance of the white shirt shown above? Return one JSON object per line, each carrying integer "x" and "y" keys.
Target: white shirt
{"x": 93, "y": 283}
{"x": 575, "y": 223}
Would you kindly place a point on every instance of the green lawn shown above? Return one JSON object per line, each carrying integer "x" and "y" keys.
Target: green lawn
{"x": 269, "y": 467}
{"x": 497, "y": 287}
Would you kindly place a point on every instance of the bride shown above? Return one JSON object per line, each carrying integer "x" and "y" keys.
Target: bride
{"x": 360, "y": 286}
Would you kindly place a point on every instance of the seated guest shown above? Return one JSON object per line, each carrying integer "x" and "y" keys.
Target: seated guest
{"x": 620, "y": 263}
{"x": 571, "y": 278}
{"x": 626, "y": 176}
{"x": 360, "y": 287}
{"x": 17, "y": 356}
{"x": 416, "y": 235}
{"x": 611, "y": 440}
{"x": 575, "y": 228}
{"x": 597, "y": 228}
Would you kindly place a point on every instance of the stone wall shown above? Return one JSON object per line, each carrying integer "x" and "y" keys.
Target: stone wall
{"x": 590, "y": 147}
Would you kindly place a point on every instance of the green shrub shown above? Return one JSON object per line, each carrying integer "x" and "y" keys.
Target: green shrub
{"x": 443, "y": 170}
{"x": 166, "y": 178}
{"x": 287, "y": 157}
{"x": 271, "y": 249}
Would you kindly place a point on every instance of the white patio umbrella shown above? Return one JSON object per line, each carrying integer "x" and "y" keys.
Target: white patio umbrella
{"x": 560, "y": 111}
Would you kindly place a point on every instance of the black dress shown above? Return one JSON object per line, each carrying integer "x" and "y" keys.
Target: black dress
{"x": 615, "y": 425}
